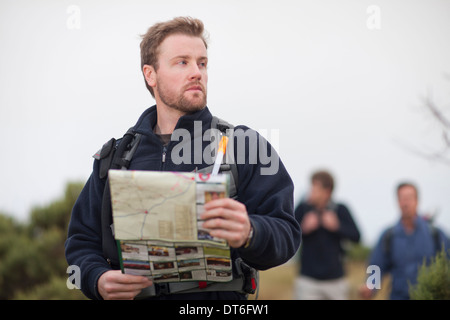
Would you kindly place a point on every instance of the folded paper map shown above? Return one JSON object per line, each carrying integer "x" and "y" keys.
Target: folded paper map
{"x": 158, "y": 229}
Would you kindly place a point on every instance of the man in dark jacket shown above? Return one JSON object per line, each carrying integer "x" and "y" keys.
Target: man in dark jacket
{"x": 259, "y": 226}
{"x": 325, "y": 224}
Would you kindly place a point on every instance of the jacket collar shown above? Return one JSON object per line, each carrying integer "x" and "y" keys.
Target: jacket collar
{"x": 419, "y": 222}
{"x": 147, "y": 121}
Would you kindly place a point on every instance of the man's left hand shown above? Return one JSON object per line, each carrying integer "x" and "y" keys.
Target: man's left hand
{"x": 228, "y": 219}
{"x": 330, "y": 220}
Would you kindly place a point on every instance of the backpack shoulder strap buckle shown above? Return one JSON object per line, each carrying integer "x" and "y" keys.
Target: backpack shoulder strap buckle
{"x": 105, "y": 155}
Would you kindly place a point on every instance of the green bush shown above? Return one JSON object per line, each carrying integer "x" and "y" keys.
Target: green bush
{"x": 357, "y": 251}
{"x": 433, "y": 280}
{"x": 54, "y": 289}
{"x": 32, "y": 261}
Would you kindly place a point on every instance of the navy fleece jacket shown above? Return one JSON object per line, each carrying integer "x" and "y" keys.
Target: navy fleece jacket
{"x": 268, "y": 199}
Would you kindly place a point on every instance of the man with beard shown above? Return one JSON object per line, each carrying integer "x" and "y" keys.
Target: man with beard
{"x": 404, "y": 247}
{"x": 259, "y": 225}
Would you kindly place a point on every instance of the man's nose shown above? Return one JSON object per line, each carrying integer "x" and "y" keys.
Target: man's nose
{"x": 195, "y": 73}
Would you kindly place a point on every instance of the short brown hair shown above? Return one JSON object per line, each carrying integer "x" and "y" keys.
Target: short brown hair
{"x": 157, "y": 33}
{"x": 408, "y": 184}
{"x": 325, "y": 178}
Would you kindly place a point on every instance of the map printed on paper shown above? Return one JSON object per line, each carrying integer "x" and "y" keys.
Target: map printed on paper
{"x": 153, "y": 205}
{"x": 158, "y": 229}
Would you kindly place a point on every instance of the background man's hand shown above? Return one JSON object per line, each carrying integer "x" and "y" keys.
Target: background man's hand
{"x": 228, "y": 219}
{"x": 330, "y": 220}
{"x": 114, "y": 285}
{"x": 365, "y": 292}
{"x": 310, "y": 222}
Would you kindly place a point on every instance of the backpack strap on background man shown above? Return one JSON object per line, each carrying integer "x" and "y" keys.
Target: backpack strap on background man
{"x": 387, "y": 245}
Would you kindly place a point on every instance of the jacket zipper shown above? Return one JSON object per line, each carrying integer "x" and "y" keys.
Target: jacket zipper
{"x": 164, "y": 151}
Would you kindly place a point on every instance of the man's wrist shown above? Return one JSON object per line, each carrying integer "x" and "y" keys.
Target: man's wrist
{"x": 250, "y": 237}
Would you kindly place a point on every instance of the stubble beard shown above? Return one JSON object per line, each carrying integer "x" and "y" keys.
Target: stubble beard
{"x": 182, "y": 103}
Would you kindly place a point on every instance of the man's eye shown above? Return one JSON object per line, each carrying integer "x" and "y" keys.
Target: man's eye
{"x": 182, "y": 62}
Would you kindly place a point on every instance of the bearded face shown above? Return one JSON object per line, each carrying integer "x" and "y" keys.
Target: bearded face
{"x": 180, "y": 81}
{"x": 187, "y": 99}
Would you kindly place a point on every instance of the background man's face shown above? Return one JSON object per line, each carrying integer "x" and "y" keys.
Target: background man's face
{"x": 181, "y": 78}
{"x": 407, "y": 201}
{"x": 318, "y": 195}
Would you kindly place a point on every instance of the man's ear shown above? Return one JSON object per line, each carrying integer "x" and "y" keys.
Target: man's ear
{"x": 149, "y": 75}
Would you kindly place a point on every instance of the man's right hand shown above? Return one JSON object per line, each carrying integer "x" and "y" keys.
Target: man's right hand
{"x": 114, "y": 285}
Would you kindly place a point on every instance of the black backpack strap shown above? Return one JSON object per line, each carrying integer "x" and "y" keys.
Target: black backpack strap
{"x": 109, "y": 245}
{"x": 226, "y": 128}
{"x": 125, "y": 150}
{"x": 221, "y": 124}
{"x": 436, "y": 238}
{"x": 387, "y": 245}
{"x": 105, "y": 156}
{"x": 115, "y": 154}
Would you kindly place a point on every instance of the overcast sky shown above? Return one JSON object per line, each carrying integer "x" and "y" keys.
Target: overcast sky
{"x": 339, "y": 83}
